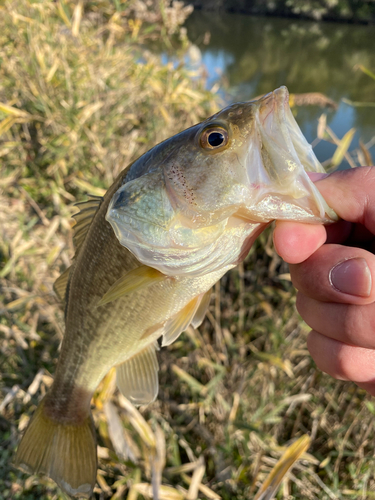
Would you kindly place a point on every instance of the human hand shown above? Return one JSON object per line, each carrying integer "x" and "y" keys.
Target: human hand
{"x": 333, "y": 269}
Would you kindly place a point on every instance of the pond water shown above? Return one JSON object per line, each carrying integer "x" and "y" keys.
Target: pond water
{"x": 251, "y": 56}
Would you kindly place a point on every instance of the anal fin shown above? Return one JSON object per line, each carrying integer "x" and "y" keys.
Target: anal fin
{"x": 137, "y": 377}
{"x": 138, "y": 278}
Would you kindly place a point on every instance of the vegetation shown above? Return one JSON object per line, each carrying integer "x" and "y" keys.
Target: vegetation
{"x": 82, "y": 96}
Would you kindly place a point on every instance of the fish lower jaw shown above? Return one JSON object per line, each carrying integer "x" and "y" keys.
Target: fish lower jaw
{"x": 275, "y": 208}
{"x": 296, "y": 200}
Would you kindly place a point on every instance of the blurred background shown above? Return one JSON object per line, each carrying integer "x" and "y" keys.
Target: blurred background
{"x": 85, "y": 88}
{"x": 248, "y": 56}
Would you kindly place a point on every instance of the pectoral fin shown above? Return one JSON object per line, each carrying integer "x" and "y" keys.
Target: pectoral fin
{"x": 180, "y": 321}
{"x": 132, "y": 281}
{"x": 137, "y": 377}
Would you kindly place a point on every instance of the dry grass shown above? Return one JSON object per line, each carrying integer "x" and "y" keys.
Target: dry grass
{"x": 234, "y": 394}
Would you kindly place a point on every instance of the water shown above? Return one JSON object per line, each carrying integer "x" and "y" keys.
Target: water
{"x": 251, "y": 56}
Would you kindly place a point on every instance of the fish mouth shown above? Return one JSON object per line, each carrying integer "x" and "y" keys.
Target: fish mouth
{"x": 277, "y": 163}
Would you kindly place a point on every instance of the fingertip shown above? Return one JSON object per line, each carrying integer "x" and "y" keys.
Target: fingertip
{"x": 295, "y": 242}
{"x": 351, "y": 194}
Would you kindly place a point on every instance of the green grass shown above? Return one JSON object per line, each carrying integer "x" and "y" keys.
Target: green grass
{"x": 82, "y": 97}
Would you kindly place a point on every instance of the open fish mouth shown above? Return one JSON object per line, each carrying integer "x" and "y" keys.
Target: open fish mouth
{"x": 278, "y": 160}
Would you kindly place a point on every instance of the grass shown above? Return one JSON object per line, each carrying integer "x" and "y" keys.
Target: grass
{"x": 82, "y": 96}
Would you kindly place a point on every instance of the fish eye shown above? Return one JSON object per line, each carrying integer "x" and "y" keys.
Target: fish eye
{"x": 214, "y": 138}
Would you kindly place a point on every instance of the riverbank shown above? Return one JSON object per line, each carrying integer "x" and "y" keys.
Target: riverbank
{"x": 326, "y": 10}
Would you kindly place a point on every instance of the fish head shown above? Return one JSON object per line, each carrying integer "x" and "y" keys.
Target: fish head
{"x": 197, "y": 201}
{"x": 250, "y": 157}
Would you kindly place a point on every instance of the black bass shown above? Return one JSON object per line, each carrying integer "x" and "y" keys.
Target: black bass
{"x": 147, "y": 255}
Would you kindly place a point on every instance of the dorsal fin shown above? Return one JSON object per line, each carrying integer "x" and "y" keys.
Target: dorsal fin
{"x": 83, "y": 219}
{"x": 61, "y": 283}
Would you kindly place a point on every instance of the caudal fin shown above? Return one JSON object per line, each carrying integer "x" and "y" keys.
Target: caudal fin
{"x": 65, "y": 453}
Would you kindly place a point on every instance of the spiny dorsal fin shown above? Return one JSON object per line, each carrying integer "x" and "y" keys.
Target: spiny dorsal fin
{"x": 87, "y": 210}
{"x": 83, "y": 218}
{"x": 180, "y": 321}
{"x": 137, "y": 377}
{"x": 138, "y": 278}
{"x": 61, "y": 283}
{"x": 202, "y": 309}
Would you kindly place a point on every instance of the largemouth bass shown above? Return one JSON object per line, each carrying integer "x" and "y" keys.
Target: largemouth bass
{"x": 147, "y": 255}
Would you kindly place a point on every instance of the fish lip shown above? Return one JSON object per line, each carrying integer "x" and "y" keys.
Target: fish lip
{"x": 277, "y": 173}
{"x": 276, "y": 99}
{"x": 275, "y": 106}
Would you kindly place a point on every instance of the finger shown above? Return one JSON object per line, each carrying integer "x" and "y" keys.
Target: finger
{"x": 336, "y": 273}
{"x": 351, "y": 193}
{"x": 348, "y": 323}
{"x": 342, "y": 361}
{"x": 295, "y": 242}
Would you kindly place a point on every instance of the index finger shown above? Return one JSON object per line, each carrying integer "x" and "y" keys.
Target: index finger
{"x": 351, "y": 193}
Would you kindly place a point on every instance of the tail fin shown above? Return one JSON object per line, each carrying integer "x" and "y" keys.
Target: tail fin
{"x": 65, "y": 453}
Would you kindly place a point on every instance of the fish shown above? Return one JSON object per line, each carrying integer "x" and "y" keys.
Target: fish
{"x": 147, "y": 256}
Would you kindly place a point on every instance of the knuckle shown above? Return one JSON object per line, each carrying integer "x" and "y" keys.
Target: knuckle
{"x": 351, "y": 321}
{"x": 359, "y": 325}
{"x": 300, "y": 304}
